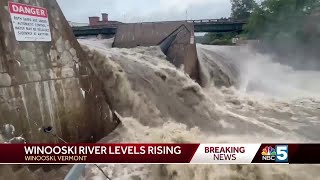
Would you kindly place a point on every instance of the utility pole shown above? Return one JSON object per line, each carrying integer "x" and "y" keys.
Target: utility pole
{"x": 124, "y": 17}
{"x": 187, "y": 15}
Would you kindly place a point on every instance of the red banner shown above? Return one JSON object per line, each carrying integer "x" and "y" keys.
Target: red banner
{"x": 159, "y": 153}
{"x": 25, "y": 9}
{"x": 96, "y": 153}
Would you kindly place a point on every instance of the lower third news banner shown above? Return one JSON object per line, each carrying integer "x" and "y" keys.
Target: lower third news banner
{"x": 159, "y": 153}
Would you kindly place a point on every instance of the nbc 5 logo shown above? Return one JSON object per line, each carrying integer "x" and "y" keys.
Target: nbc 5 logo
{"x": 282, "y": 154}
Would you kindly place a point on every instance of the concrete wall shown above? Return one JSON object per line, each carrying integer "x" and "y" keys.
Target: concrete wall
{"x": 144, "y": 34}
{"x": 49, "y": 83}
{"x": 182, "y": 48}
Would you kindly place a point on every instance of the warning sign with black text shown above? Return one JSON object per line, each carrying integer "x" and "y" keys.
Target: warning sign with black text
{"x": 30, "y": 23}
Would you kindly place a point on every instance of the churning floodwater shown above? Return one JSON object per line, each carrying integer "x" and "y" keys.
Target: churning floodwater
{"x": 268, "y": 102}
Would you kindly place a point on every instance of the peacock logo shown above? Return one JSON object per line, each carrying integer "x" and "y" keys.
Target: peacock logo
{"x": 269, "y": 151}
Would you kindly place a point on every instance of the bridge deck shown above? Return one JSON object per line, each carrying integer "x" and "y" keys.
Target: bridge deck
{"x": 204, "y": 25}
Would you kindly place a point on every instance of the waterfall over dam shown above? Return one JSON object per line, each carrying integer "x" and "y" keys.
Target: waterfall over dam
{"x": 166, "y": 105}
{"x": 167, "y": 89}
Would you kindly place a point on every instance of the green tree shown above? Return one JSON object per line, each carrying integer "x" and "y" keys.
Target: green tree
{"x": 242, "y": 9}
{"x": 288, "y": 28}
{"x": 219, "y": 38}
{"x": 274, "y": 19}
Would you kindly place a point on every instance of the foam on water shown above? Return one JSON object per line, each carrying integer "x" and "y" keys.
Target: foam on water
{"x": 262, "y": 74}
{"x": 184, "y": 112}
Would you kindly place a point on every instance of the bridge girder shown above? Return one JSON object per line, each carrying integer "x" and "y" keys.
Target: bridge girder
{"x": 218, "y": 27}
{"x": 88, "y": 31}
{"x": 199, "y": 26}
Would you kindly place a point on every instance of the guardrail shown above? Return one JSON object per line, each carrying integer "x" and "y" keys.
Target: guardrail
{"x": 94, "y": 27}
{"x": 217, "y": 21}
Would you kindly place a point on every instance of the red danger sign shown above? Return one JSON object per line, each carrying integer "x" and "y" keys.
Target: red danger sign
{"x": 23, "y": 9}
{"x": 30, "y": 23}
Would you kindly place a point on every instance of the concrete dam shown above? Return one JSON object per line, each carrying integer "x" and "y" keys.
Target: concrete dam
{"x": 176, "y": 39}
{"x": 177, "y": 42}
{"x": 52, "y": 82}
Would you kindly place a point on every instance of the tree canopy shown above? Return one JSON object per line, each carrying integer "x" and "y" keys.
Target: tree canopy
{"x": 287, "y": 27}
{"x": 280, "y": 22}
{"x": 280, "y": 18}
{"x": 219, "y": 38}
{"x": 242, "y": 9}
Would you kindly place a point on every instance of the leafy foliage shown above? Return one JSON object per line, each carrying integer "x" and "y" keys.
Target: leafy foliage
{"x": 284, "y": 23}
{"x": 242, "y": 9}
{"x": 219, "y": 38}
{"x": 274, "y": 19}
{"x": 289, "y": 28}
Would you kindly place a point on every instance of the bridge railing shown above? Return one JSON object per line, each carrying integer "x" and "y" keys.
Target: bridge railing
{"x": 93, "y": 27}
{"x": 217, "y": 21}
{"x": 197, "y": 22}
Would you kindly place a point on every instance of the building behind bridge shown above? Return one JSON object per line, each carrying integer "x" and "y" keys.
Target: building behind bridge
{"x": 95, "y": 21}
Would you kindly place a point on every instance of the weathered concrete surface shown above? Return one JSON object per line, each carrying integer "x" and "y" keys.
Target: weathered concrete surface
{"x": 48, "y": 83}
{"x": 145, "y": 34}
{"x": 179, "y": 37}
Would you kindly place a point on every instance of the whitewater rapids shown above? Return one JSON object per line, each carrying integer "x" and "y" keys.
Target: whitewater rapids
{"x": 268, "y": 103}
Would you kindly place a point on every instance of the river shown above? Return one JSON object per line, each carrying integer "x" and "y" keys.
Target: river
{"x": 269, "y": 102}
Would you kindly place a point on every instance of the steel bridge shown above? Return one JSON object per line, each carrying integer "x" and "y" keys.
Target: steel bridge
{"x": 204, "y": 25}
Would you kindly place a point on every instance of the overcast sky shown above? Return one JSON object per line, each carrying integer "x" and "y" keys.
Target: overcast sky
{"x": 145, "y": 10}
